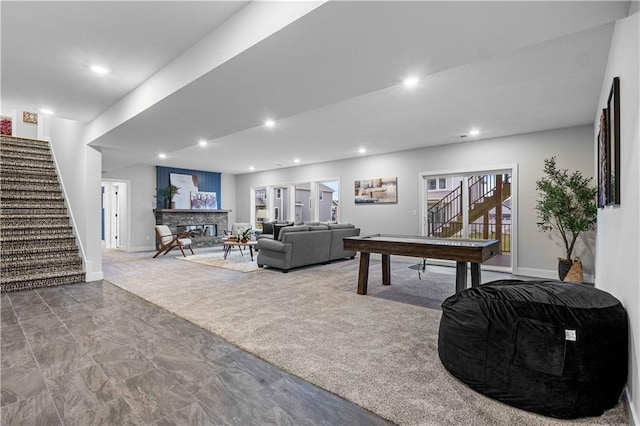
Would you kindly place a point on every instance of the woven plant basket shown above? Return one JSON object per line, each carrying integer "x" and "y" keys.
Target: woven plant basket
{"x": 575, "y": 274}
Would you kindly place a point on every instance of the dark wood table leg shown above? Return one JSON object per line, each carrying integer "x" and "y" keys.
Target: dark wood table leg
{"x": 461, "y": 276}
{"x": 227, "y": 248}
{"x": 476, "y": 275}
{"x": 363, "y": 273}
{"x": 251, "y": 252}
{"x": 386, "y": 269}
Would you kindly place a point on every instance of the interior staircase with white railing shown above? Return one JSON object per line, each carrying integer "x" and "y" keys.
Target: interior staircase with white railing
{"x": 37, "y": 244}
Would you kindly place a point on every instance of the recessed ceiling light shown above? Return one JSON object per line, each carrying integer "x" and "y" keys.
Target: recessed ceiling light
{"x": 411, "y": 81}
{"x": 474, "y": 132}
{"x": 99, "y": 69}
{"x": 162, "y": 155}
{"x": 251, "y": 168}
{"x": 296, "y": 160}
{"x": 269, "y": 123}
{"x": 202, "y": 143}
{"x": 362, "y": 150}
{"x": 46, "y": 111}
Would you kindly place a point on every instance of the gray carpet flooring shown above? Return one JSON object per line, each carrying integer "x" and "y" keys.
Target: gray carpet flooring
{"x": 378, "y": 351}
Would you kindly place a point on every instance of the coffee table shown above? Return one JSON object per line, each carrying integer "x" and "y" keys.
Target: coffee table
{"x": 229, "y": 244}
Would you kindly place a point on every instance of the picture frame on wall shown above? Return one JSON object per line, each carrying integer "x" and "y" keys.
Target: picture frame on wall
{"x": 603, "y": 165}
{"x": 613, "y": 144}
{"x": 376, "y": 191}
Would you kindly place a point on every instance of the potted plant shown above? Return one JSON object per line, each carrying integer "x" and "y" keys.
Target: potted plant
{"x": 245, "y": 235}
{"x": 566, "y": 205}
{"x": 166, "y": 195}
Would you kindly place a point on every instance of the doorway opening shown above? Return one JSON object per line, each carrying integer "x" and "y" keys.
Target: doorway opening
{"x": 473, "y": 205}
{"x": 114, "y": 214}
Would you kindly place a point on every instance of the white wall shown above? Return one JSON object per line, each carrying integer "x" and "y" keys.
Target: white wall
{"x": 618, "y": 241}
{"x": 228, "y": 202}
{"x": 141, "y": 181}
{"x": 538, "y": 252}
{"x": 79, "y": 167}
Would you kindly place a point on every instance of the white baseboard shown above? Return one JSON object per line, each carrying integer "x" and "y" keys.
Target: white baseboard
{"x": 94, "y": 276}
{"x": 525, "y": 272}
{"x": 142, "y": 248}
{"x": 632, "y": 413}
{"x": 546, "y": 274}
{"x": 537, "y": 273}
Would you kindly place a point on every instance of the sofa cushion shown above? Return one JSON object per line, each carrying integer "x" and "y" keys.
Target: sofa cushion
{"x": 277, "y": 228}
{"x": 318, "y": 227}
{"x": 341, "y": 226}
{"x": 290, "y": 228}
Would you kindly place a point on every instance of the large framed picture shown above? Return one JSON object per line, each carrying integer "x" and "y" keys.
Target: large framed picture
{"x": 204, "y": 200}
{"x": 603, "y": 163}
{"x": 376, "y": 191}
{"x": 613, "y": 142}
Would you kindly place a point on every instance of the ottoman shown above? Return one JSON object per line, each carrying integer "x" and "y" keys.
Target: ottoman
{"x": 553, "y": 348}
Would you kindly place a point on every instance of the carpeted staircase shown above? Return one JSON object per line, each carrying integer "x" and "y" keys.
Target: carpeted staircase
{"x": 37, "y": 245}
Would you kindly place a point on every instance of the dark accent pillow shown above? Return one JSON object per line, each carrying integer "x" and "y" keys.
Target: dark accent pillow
{"x": 277, "y": 227}
{"x": 267, "y": 228}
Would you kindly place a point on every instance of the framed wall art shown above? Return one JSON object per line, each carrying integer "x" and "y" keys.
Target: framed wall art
{"x": 376, "y": 191}
{"x": 613, "y": 142}
{"x": 603, "y": 165}
{"x": 6, "y": 125}
{"x": 29, "y": 117}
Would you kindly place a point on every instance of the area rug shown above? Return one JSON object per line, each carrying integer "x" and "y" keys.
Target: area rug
{"x": 372, "y": 350}
{"x": 234, "y": 261}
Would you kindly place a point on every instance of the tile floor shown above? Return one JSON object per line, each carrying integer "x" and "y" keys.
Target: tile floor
{"x": 93, "y": 354}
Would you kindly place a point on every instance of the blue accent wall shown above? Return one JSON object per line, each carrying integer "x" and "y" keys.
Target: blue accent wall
{"x": 207, "y": 181}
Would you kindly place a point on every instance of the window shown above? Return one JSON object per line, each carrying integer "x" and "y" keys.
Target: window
{"x": 278, "y": 193}
{"x": 321, "y": 195}
{"x": 276, "y": 213}
{"x": 441, "y": 183}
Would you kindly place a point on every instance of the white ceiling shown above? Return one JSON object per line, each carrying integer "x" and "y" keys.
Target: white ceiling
{"x": 331, "y": 79}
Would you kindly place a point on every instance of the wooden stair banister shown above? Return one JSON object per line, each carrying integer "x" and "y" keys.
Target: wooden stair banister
{"x": 481, "y": 201}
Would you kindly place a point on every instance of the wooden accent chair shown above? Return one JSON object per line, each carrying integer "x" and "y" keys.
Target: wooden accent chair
{"x": 169, "y": 241}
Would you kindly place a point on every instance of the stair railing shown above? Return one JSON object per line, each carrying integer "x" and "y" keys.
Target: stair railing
{"x": 484, "y": 187}
{"x": 449, "y": 208}
{"x": 445, "y": 211}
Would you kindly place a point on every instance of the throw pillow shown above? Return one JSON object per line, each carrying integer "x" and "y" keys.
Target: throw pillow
{"x": 267, "y": 228}
{"x": 277, "y": 227}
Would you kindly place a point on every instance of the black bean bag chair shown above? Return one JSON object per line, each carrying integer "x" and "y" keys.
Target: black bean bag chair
{"x": 553, "y": 348}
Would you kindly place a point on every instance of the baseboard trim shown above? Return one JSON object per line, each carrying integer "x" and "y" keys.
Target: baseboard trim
{"x": 632, "y": 415}
{"x": 545, "y": 273}
{"x": 94, "y": 276}
{"x": 537, "y": 273}
{"x": 138, "y": 249}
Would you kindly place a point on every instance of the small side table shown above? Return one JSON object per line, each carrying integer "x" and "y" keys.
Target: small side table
{"x": 229, "y": 244}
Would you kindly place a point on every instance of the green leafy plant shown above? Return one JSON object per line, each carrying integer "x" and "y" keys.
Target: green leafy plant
{"x": 566, "y": 203}
{"x": 166, "y": 194}
{"x": 245, "y": 234}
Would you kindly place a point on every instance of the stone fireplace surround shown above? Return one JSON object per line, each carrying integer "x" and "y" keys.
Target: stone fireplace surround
{"x": 178, "y": 220}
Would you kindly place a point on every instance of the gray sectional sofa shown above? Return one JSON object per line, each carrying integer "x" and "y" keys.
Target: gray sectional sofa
{"x": 309, "y": 244}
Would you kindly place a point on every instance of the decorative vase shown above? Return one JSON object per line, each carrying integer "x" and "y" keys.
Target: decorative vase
{"x": 244, "y": 240}
{"x": 173, "y": 205}
{"x": 563, "y": 267}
